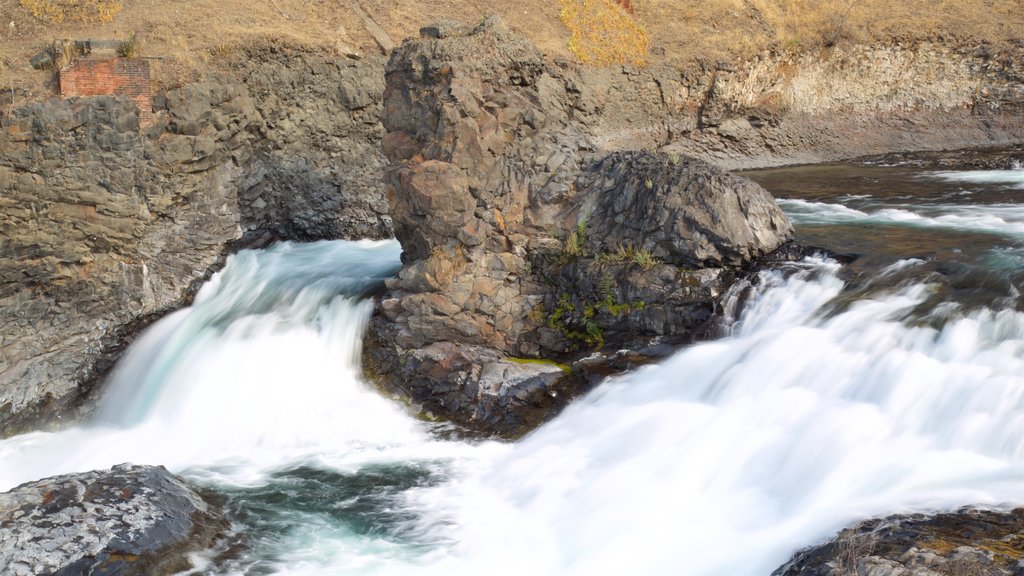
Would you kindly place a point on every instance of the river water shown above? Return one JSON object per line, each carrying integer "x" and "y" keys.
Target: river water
{"x": 887, "y": 379}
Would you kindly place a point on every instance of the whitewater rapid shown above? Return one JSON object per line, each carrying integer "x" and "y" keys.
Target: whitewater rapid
{"x": 818, "y": 410}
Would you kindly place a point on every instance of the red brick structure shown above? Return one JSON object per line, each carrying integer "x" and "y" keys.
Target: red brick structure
{"x": 120, "y": 76}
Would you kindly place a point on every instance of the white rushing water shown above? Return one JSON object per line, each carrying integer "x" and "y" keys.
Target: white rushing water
{"x": 1013, "y": 178}
{"x": 995, "y": 219}
{"x": 722, "y": 460}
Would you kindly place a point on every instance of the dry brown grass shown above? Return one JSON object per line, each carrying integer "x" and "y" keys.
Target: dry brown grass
{"x": 191, "y": 38}
{"x": 86, "y": 11}
{"x": 602, "y": 32}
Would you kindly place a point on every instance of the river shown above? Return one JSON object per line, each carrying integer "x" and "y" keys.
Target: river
{"x": 886, "y": 379}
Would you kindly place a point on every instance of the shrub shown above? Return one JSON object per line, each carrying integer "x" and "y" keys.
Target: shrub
{"x": 85, "y": 11}
{"x": 602, "y": 32}
{"x": 129, "y": 48}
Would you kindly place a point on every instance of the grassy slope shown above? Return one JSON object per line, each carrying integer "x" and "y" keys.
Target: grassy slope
{"x": 191, "y": 36}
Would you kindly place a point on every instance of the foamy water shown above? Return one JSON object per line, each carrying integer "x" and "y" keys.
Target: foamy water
{"x": 722, "y": 460}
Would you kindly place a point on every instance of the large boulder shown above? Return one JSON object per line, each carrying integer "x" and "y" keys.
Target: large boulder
{"x": 129, "y": 520}
{"x": 682, "y": 210}
{"x": 522, "y": 244}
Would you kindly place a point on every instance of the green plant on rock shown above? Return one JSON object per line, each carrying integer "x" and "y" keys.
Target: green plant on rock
{"x": 628, "y": 253}
{"x": 585, "y": 328}
{"x": 574, "y": 244}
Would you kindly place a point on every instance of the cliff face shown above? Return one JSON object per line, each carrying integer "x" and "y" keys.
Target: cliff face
{"x": 106, "y": 227}
{"x": 815, "y": 107}
{"x": 103, "y": 226}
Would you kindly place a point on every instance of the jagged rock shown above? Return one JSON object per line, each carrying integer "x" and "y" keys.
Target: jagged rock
{"x": 681, "y": 210}
{"x": 966, "y": 542}
{"x": 486, "y": 190}
{"x": 319, "y": 170}
{"x": 104, "y": 227}
{"x": 129, "y": 520}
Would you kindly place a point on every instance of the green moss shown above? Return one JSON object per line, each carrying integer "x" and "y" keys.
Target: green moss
{"x": 585, "y": 329}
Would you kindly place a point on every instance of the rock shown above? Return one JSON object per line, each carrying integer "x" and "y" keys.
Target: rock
{"x": 127, "y": 520}
{"x": 105, "y": 228}
{"x": 319, "y": 170}
{"x": 486, "y": 191}
{"x": 681, "y": 210}
{"x": 102, "y": 226}
{"x": 966, "y": 542}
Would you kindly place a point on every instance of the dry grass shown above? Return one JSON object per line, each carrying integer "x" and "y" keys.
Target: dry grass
{"x": 602, "y": 32}
{"x": 85, "y": 11}
{"x": 191, "y": 38}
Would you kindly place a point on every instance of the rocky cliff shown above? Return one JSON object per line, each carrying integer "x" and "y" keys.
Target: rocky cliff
{"x": 510, "y": 225}
{"x": 816, "y": 106}
{"x": 106, "y": 226}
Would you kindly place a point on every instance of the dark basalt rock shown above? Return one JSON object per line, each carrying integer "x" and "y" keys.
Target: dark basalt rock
{"x": 969, "y": 542}
{"x": 509, "y": 221}
{"x": 108, "y": 225}
{"x": 129, "y": 520}
{"x": 682, "y": 210}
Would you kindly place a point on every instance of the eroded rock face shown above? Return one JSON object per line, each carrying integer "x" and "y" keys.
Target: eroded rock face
{"x": 104, "y": 227}
{"x": 967, "y": 542}
{"x": 318, "y": 172}
{"x": 506, "y": 215}
{"x": 129, "y": 520}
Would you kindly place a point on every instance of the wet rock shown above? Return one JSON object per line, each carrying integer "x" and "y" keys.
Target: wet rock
{"x": 968, "y": 542}
{"x": 129, "y": 520}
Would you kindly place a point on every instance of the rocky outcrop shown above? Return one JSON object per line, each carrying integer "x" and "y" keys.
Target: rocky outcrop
{"x": 318, "y": 171}
{"x": 512, "y": 228}
{"x": 681, "y": 210}
{"x": 129, "y": 520}
{"x": 813, "y": 106}
{"x": 104, "y": 227}
{"x": 967, "y": 542}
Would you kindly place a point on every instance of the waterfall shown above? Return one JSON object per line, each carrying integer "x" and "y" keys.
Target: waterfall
{"x": 722, "y": 460}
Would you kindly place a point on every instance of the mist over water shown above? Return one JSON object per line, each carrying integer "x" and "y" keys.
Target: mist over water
{"x": 831, "y": 401}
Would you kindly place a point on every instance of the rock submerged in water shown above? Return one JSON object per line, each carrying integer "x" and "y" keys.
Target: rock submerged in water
{"x": 969, "y": 542}
{"x": 129, "y": 520}
{"x": 521, "y": 241}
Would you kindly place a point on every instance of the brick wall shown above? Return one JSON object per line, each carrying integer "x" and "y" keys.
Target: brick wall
{"x": 122, "y": 76}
